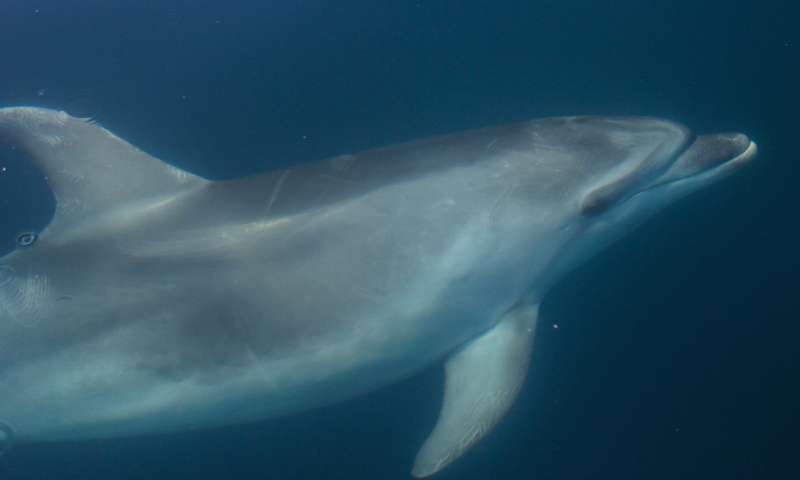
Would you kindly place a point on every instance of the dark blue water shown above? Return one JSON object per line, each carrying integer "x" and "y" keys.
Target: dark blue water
{"x": 677, "y": 354}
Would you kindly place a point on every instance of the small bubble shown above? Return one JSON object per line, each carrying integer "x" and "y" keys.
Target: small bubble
{"x": 41, "y": 92}
{"x": 556, "y": 326}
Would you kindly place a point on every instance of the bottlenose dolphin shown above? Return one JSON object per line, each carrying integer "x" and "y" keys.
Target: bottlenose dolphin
{"x": 156, "y": 300}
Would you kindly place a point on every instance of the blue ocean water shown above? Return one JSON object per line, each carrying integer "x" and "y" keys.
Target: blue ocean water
{"x": 676, "y": 355}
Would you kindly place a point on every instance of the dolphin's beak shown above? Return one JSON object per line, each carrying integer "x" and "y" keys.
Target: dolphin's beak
{"x": 710, "y": 154}
{"x": 709, "y": 151}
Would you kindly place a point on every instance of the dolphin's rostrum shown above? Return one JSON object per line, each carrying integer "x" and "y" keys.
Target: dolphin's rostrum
{"x": 156, "y": 300}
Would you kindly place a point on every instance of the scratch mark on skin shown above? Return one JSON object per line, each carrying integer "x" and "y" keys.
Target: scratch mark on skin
{"x": 277, "y": 190}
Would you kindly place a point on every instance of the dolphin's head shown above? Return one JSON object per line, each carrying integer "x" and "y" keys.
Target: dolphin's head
{"x": 610, "y": 174}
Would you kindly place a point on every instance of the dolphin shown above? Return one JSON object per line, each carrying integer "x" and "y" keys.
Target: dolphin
{"x": 159, "y": 301}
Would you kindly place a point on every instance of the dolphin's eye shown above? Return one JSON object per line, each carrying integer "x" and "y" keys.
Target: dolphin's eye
{"x": 26, "y": 239}
{"x": 595, "y": 204}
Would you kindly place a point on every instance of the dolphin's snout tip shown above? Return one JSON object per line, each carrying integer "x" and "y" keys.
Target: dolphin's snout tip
{"x": 731, "y": 145}
{"x": 741, "y": 139}
{"x": 748, "y": 152}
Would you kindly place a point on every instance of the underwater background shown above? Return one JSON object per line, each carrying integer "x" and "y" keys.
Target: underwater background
{"x": 677, "y": 349}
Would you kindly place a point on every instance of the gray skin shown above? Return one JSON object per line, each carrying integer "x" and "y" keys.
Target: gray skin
{"x": 159, "y": 301}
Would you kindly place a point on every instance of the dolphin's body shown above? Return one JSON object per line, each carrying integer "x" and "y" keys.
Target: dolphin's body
{"x": 159, "y": 301}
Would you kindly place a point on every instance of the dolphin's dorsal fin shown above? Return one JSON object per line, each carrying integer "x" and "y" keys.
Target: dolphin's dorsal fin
{"x": 87, "y": 167}
{"x": 482, "y": 380}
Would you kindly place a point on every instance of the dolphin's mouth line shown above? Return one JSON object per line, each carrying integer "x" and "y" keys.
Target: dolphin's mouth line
{"x": 713, "y": 170}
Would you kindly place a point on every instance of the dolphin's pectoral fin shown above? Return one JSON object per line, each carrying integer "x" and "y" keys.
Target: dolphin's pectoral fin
{"x": 88, "y": 168}
{"x": 482, "y": 381}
